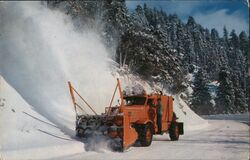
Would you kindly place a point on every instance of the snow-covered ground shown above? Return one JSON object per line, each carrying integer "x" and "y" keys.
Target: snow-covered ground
{"x": 25, "y": 134}
{"x": 221, "y": 140}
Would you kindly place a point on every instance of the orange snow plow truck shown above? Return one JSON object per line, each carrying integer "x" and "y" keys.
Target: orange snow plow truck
{"x": 135, "y": 120}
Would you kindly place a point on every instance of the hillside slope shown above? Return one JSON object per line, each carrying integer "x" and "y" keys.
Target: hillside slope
{"x": 25, "y": 133}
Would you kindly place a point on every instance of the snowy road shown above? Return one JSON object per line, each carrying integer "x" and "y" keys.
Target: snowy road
{"x": 223, "y": 139}
{"x": 243, "y": 118}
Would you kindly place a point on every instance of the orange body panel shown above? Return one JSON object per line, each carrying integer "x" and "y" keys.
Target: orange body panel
{"x": 167, "y": 115}
{"x": 143, "y": 114}
{"x": 129, "y": 133}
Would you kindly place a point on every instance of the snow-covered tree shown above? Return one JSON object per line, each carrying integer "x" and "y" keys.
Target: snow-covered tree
{"x": 244, "y": 43}
{"x": 225, "y": 36}
{"x": 225, "y": 96}
{"x": 234, "y": 39}
{"x": 240, "y": 99}
{"x": 201, "y": 99}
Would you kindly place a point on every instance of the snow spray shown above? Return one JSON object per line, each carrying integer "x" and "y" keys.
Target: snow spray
{"x": 40, "y": 50}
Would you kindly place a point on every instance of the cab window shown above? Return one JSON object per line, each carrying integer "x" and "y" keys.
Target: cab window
{"x": 135, "y": 100}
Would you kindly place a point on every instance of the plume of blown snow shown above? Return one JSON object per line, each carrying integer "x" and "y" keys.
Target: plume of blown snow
{"x": 41, "y": 50}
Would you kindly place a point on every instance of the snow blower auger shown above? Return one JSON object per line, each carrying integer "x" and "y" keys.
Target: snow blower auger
{"x": 137, "y": 119}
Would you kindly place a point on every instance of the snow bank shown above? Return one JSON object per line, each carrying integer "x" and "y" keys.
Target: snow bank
{"x": 24, "y": 131}
{"x": 191, "y": 120}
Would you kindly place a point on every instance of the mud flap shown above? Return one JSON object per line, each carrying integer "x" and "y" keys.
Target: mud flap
{"x": 181, "y": 129}
{"x": 129, "y": 133}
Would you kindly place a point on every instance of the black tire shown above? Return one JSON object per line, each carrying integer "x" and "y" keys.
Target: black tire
{"x": 80, "y": 132}
{"x": 87, "y": 132}
{"x": 174, "y": 132}
{"x": 146, "y": 135}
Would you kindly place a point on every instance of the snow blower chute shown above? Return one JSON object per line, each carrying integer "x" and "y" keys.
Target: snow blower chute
{"x": 137, "y": 118}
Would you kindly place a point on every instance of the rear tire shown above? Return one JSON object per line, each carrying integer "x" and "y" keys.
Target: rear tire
{"x": 146, "y": 135}
{"x": 174, "y": 132}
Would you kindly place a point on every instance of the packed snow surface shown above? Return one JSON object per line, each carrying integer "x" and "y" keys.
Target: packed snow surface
{"x": 222, "y": 140}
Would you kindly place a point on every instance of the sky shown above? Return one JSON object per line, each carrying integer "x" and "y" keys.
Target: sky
{"x": 234, "y": 14}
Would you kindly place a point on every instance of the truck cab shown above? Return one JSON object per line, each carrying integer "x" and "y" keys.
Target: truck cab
{"x": 144, "y": 107}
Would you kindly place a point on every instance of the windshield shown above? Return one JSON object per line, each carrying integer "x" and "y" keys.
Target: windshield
{"x": 135, "y": 100}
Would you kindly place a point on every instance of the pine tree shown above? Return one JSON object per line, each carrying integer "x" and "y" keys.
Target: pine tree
{"x": 244, "y": 46}
{"x": 225, "y": 36}
{"x": 140, "y": 17}
{"x": 214, "y": 36}
{"x": 201, "y": 97}
{"x": 191, "y": 22}
{"x": 234, "y": 39}
{"x": 244, "y": 43}
{"x": 240, "y": 99}
{"x": 225, "y": 96}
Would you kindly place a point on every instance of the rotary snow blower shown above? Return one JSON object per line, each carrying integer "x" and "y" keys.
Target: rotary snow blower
{"x": 136, "y": 119}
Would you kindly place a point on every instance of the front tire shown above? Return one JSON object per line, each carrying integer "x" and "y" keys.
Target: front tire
{"x": 80, "y": 132}
{"x": 146, "y": 135}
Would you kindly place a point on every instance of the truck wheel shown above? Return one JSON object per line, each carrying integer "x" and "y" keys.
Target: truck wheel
{"x": 146, "y": 136}
{"x": 79, "y": 132}
{"x": 87, "y": 132}
{"x": 174, "y": 132}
